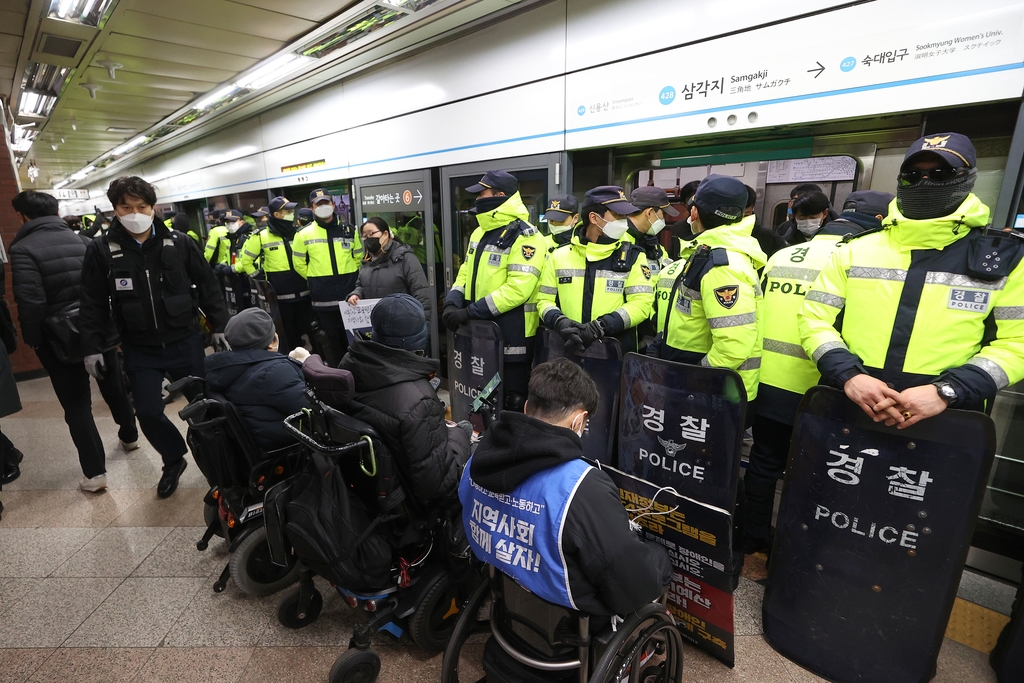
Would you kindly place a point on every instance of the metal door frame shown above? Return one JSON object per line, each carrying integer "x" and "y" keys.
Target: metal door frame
{"x": 428, "y": 224}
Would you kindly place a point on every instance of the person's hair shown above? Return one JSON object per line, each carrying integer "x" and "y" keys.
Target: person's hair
{"x": 381, "y": 224}
{"x": 585, "y": 212}
{"x": 559, "y": 387}
{"x": 687, "y": 191}
{"x": 181, "y": 222}
{"x": 712, "y": 220}
{"x": 751, "y": 196}
{"x": 803, "y": 188}
{"x": 810, "y": 204}
{"x": 131, "y": 186}
{"x": 74, "y": 222}
{"x": 32, "y": 204}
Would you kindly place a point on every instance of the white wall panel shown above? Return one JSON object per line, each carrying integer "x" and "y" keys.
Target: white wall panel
{"x": 240, "y": 175}
{"x": 181, "y": 187}
{"x": 304, "y": 118}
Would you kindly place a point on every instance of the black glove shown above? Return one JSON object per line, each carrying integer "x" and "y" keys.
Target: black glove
{"x": 570, "y": 332}
{"x": 590, "y": 332}
{"x": 453, "y": 316}
{"x": 222, "y": 269}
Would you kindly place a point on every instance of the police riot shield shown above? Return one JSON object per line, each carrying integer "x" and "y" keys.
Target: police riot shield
{"x": 698, "y": 538}
{"x": 602, "y": 360}
{"x": 477, "y": 356}
{"x": 682, "y": 426}
{"x": 266, "y": 298}
{"x": 872, "y": 536}
{"x": 227, "y": 285}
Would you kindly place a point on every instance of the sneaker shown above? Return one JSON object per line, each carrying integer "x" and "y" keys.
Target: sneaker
{"x": 95, "y": 484}
{"x": 130, "y": 446}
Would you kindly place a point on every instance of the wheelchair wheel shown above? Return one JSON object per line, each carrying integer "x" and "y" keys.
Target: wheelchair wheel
{"x": 252, "y": 570}
{"x": 287, "y": 612}
{"x": 432, "y": 623}
{"x": 457, "y": 667}
{"x": 355, "y": 666}
{"x": 648, "y": 628}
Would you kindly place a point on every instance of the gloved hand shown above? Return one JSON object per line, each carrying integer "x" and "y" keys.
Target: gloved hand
{"x": 590, "y": 332}
{"x": 570, "y": 332}
{"x": 453, "y": 316}
{"x": 95, "y": 366}
{"x": 223, "y": 269}
{"x": 220, "y": 342}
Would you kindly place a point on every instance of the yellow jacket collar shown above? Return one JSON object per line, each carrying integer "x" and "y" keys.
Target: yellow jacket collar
{"x": 512, "y": 209}
{"x": 935, "y": 233}
{"x": 735, "y": 237}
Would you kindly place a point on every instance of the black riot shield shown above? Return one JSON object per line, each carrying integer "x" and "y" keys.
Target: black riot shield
{"x": 872, "y": 536}
{"x": 602, "y": 360}
{"x": 265, "y": 297}
{"x": 698, "y": 538}
{"x": 476, "y": 358}
{"x": 682, "y": 426}
{"x": 227, "y": 285}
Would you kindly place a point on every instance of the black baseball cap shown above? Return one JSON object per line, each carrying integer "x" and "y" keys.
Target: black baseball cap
{"x": 499, "y": 181}
{"x": 723, "y": 196}
{"x": 649, "y": 196}
{"x": 560, "y": 207}
{"x": 261, "y": 212}
{"x": 280, "y": 204}
{"x": 319, "y": 194}
{"x": 956, "y": 149}
{"x": 612, "y": 197}
{"x": 217, "y": 214}
{"x": 232, "y": 215}
{"x": 871, "y": 202}
{"x": 304, "y": 214}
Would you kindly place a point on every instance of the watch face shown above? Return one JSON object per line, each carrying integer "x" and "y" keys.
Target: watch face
{"x": 947, "y": 391}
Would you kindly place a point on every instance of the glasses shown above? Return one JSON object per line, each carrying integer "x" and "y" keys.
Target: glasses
{"x": 913, "y": 176}
{"x": 367, "y": 235}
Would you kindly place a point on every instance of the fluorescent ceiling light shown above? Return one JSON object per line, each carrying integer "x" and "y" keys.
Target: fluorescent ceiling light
{"x": 118, "y": 129}
{"x": 62, "y": 183}
{"x": 224, "y": 92}
{"x": 36, "y": 104}
{"x": 64, "y": 7}
{"x": 273, "y": 70}
{"x": 130, "y": 145}
{"x": 86, "y": 12}
{"x": 78, "y": 175}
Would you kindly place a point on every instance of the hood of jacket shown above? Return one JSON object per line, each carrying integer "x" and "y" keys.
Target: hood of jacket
{"x": 851, "y": 222}
{"x": 735, "y": 237}
{"x": 936, "y": 233}
{"x": 511, "y": 210}
{"x": 41, "y": 223}
{"x": 376, "y": 366}
{"x": 224, "y": 369}
{"x": 518, "y": 446}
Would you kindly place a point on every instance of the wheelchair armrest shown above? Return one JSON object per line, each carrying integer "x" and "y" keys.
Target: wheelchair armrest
{"x": 196, "y": 409}
{"x": 185, "y": 382}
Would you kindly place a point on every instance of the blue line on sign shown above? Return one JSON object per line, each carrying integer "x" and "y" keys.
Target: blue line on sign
{"x": 781, "y": 100}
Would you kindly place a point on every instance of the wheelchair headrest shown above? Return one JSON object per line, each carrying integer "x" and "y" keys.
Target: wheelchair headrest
{"x": 332, "y": 385}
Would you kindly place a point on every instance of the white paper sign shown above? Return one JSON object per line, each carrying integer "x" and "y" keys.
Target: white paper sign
{"x": 356, "y": 319}
{"x": 814, "y": 169}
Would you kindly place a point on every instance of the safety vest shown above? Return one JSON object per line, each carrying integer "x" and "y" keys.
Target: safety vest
{"x": 218, "y": 246}
{"x": 277, "y": 261}
{"x": 785, "y": 366}
{"x": 657, "y": 255}
{"x": 412, "y": 236}
{"x": 585, "y": 280}
{"x": 520, "y": 532}
{"x": 920, "y": 298}
{"x": 500, "y": 274}
{"x": 714, "y": 307}
{"x": 329, "y": 260}
{"x": 195, "y": 236}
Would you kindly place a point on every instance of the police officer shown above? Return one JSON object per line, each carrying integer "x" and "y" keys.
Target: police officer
{"x": 654, "y": 205}
{"x": 222, "y": 252}
{"x": 327, "y": 253}
{"x": 152, "y": 279}
{"x": 786, "y": 371}
{"x": 271, "y": 250}
{"x": 932, "y": 304}
{"x": 498, "y": 279}
{"x": 218, "y": 242}
{"x": 713, "y": 308}
{"x": 303, "y": 217}
{"x": 599, "y": 284}
{"x": 562, "y": 216}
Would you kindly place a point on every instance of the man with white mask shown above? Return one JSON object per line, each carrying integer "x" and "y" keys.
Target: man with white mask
{"x": 654, "y": 206}
{"x": 152, "y": 280}
{"x": 562, "y": 217}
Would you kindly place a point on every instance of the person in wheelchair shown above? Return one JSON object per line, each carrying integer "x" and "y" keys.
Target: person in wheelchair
{"x": 394, "y": 395}
{"x": 533, "y": 508}
{"x": 265, "y": 386}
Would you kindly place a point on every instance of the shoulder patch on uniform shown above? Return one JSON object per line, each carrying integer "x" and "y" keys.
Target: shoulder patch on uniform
{"x": 728, "y": 295}
{"x": 647, "y": 271}
{"x": 529, "y": 252}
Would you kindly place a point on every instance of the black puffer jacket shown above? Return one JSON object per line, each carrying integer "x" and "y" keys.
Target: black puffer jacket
{"x": 398, "y": 271}
{"x": 46, "y": 261}
{"x": 393, "y": 394}
{"x": 265, "y": 386}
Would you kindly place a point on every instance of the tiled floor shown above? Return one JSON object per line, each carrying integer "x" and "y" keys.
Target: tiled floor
{"x": 110, "y": 587}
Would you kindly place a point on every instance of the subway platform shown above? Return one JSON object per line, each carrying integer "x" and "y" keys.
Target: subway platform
{"x": 110, "y": 587}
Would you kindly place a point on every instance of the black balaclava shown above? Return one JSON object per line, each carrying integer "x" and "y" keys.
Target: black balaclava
{"x": 488, "y": 204}
{"x": 931, "y": 199}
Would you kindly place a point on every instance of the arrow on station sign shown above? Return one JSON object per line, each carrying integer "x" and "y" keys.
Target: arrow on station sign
{"x": 419, "y": 196}
{"x": 817, "y": 72}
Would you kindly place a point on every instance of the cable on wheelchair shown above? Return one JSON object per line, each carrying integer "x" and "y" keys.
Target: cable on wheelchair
{"x": 372, "y": 472}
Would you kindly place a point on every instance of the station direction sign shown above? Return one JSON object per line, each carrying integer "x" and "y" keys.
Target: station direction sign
{"x": 410, "y": 196}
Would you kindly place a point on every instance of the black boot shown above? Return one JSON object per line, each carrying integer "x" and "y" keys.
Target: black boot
{"x": 169, "y": 479}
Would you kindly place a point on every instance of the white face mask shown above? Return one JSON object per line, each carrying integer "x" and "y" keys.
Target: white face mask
{"x": 290, "y": 216}
{"x": 233, "y": 227}
{"x": 136, "y": 223}
{"x": 582, "y": 424}
{"x": 324, "y": 211}
{"x": 808, "y": 226}
{"x": 557, "y": 229}
{"x": 657, "y": 225}
{"x": 615, "y": 229}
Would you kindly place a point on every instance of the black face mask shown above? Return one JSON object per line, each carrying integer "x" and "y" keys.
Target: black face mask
{"x": 488, "y": 204}
{"x": 930, "y": 199}
{"x": 372, "y": 244}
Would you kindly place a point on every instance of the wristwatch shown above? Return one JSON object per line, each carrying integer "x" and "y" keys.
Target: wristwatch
{"x": 946, "y": 391}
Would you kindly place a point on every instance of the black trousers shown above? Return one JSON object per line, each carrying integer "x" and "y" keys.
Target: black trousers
{"x": 295, "y": 319}
{"x": 146, "y": 370}
{"x": 768, "y": 458}
{"x": 71, "y": 384}
{"x": 335, "y": 342}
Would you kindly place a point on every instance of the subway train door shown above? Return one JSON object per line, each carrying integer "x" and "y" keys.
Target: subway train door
{"x": 539, "y": 176}
{"x": 407, "y": 202}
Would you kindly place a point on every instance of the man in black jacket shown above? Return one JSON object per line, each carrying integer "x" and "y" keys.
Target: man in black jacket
{"x": 46, "y": 260}
{"x": 144, "y": 274}
{"x": 394, "y": 395}
{"x": 533, "y": 508}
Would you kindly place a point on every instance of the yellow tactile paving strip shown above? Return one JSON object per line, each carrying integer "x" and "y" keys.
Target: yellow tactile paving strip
{"x": 975, "y": 626}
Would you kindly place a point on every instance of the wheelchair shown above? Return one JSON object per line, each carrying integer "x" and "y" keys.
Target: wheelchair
{"x": 239, "y": 474}
{"x": 535, "y": 641}
{"x": 407, "y": 566}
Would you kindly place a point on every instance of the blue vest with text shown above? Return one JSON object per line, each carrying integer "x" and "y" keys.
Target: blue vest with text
{"x": 520, "y": 532}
